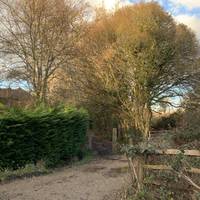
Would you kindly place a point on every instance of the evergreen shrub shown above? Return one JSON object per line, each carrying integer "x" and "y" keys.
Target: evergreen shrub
{"x": 53, "y": 135}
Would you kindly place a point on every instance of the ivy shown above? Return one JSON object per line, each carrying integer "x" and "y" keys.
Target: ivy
{"x": 139, "y": 150}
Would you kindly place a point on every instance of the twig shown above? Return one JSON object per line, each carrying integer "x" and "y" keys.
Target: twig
{"x": 188, "y": 179}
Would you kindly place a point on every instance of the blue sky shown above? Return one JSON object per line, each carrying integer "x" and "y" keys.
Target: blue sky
{"x": 184, "y": 11}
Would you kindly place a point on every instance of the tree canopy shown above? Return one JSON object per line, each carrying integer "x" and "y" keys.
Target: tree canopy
{"x": 139, "y": 56}
{"x": 39, "y": 37}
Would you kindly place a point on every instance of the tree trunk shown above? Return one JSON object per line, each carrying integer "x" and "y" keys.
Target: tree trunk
{"x": 41, "y": 93}
{"x": 147, "y": 122}
{"x": 143, "y": 116}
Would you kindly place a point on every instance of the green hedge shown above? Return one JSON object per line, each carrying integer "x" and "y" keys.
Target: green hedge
{"x": 52, "y": 136}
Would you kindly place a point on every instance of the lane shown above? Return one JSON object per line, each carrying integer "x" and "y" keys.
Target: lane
{"x": 92, "y": 181}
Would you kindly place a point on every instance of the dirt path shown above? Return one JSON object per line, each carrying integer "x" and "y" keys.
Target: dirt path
{"x": 97, "y": 180}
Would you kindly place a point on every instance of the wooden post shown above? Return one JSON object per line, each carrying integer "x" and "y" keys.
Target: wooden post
{"x": 140, "y": 172}
{"x": 90, "y": 137}
{"x": 136, "y": 166}
{"x": 114, "y": 140}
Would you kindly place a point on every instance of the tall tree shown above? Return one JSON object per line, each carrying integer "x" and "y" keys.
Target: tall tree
{"x": 38, "y": 37}
{"x": 139, "y": 56}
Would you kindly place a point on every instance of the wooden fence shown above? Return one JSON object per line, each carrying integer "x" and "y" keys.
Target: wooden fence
{"x": 141, "y": 164}
{"x": 192, "y": 153}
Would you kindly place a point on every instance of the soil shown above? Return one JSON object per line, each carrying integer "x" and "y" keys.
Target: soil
{"x": 100, "y": 179}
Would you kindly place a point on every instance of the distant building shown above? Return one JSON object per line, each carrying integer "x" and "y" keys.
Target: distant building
{"x": 15, "y": 97}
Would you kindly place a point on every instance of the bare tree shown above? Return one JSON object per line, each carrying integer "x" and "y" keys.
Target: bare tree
{"x": 38, "y": 37}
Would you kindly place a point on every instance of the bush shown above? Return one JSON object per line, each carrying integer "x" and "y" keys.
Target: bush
{"x": 166, "y": 122}
{"x": 51, "y": 135}
{"x": 186, "y": 136}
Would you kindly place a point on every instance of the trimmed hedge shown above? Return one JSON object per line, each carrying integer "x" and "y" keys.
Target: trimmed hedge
{"x": 52, "y": 136}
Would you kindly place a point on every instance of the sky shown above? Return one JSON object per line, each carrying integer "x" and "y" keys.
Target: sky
{"x": 183, "y": 11}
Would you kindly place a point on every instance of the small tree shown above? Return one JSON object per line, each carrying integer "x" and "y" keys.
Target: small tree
{"x": 38, "y": 37}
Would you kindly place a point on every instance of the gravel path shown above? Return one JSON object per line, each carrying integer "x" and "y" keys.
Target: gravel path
{"x": 97, "y": 180}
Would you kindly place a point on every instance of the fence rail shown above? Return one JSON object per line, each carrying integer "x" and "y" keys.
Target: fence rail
{"x": 192, "y": 153}
{"x": 141, "y": 164}
{"x": 176, "y": 152}
{"x": 169, "y": 168}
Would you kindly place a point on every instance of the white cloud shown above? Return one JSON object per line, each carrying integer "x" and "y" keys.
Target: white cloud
{"x": 188, "y": 3}
{"x": 191, "y": 21}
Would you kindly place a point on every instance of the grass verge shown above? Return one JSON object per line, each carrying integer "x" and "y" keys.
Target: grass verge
{"x": 27, "y": 171}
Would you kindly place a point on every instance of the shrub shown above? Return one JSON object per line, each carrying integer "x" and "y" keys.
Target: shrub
{"x": 186, "y": 136}
{"x": 166, "y": 122}
{"x": 52, "y": 135}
